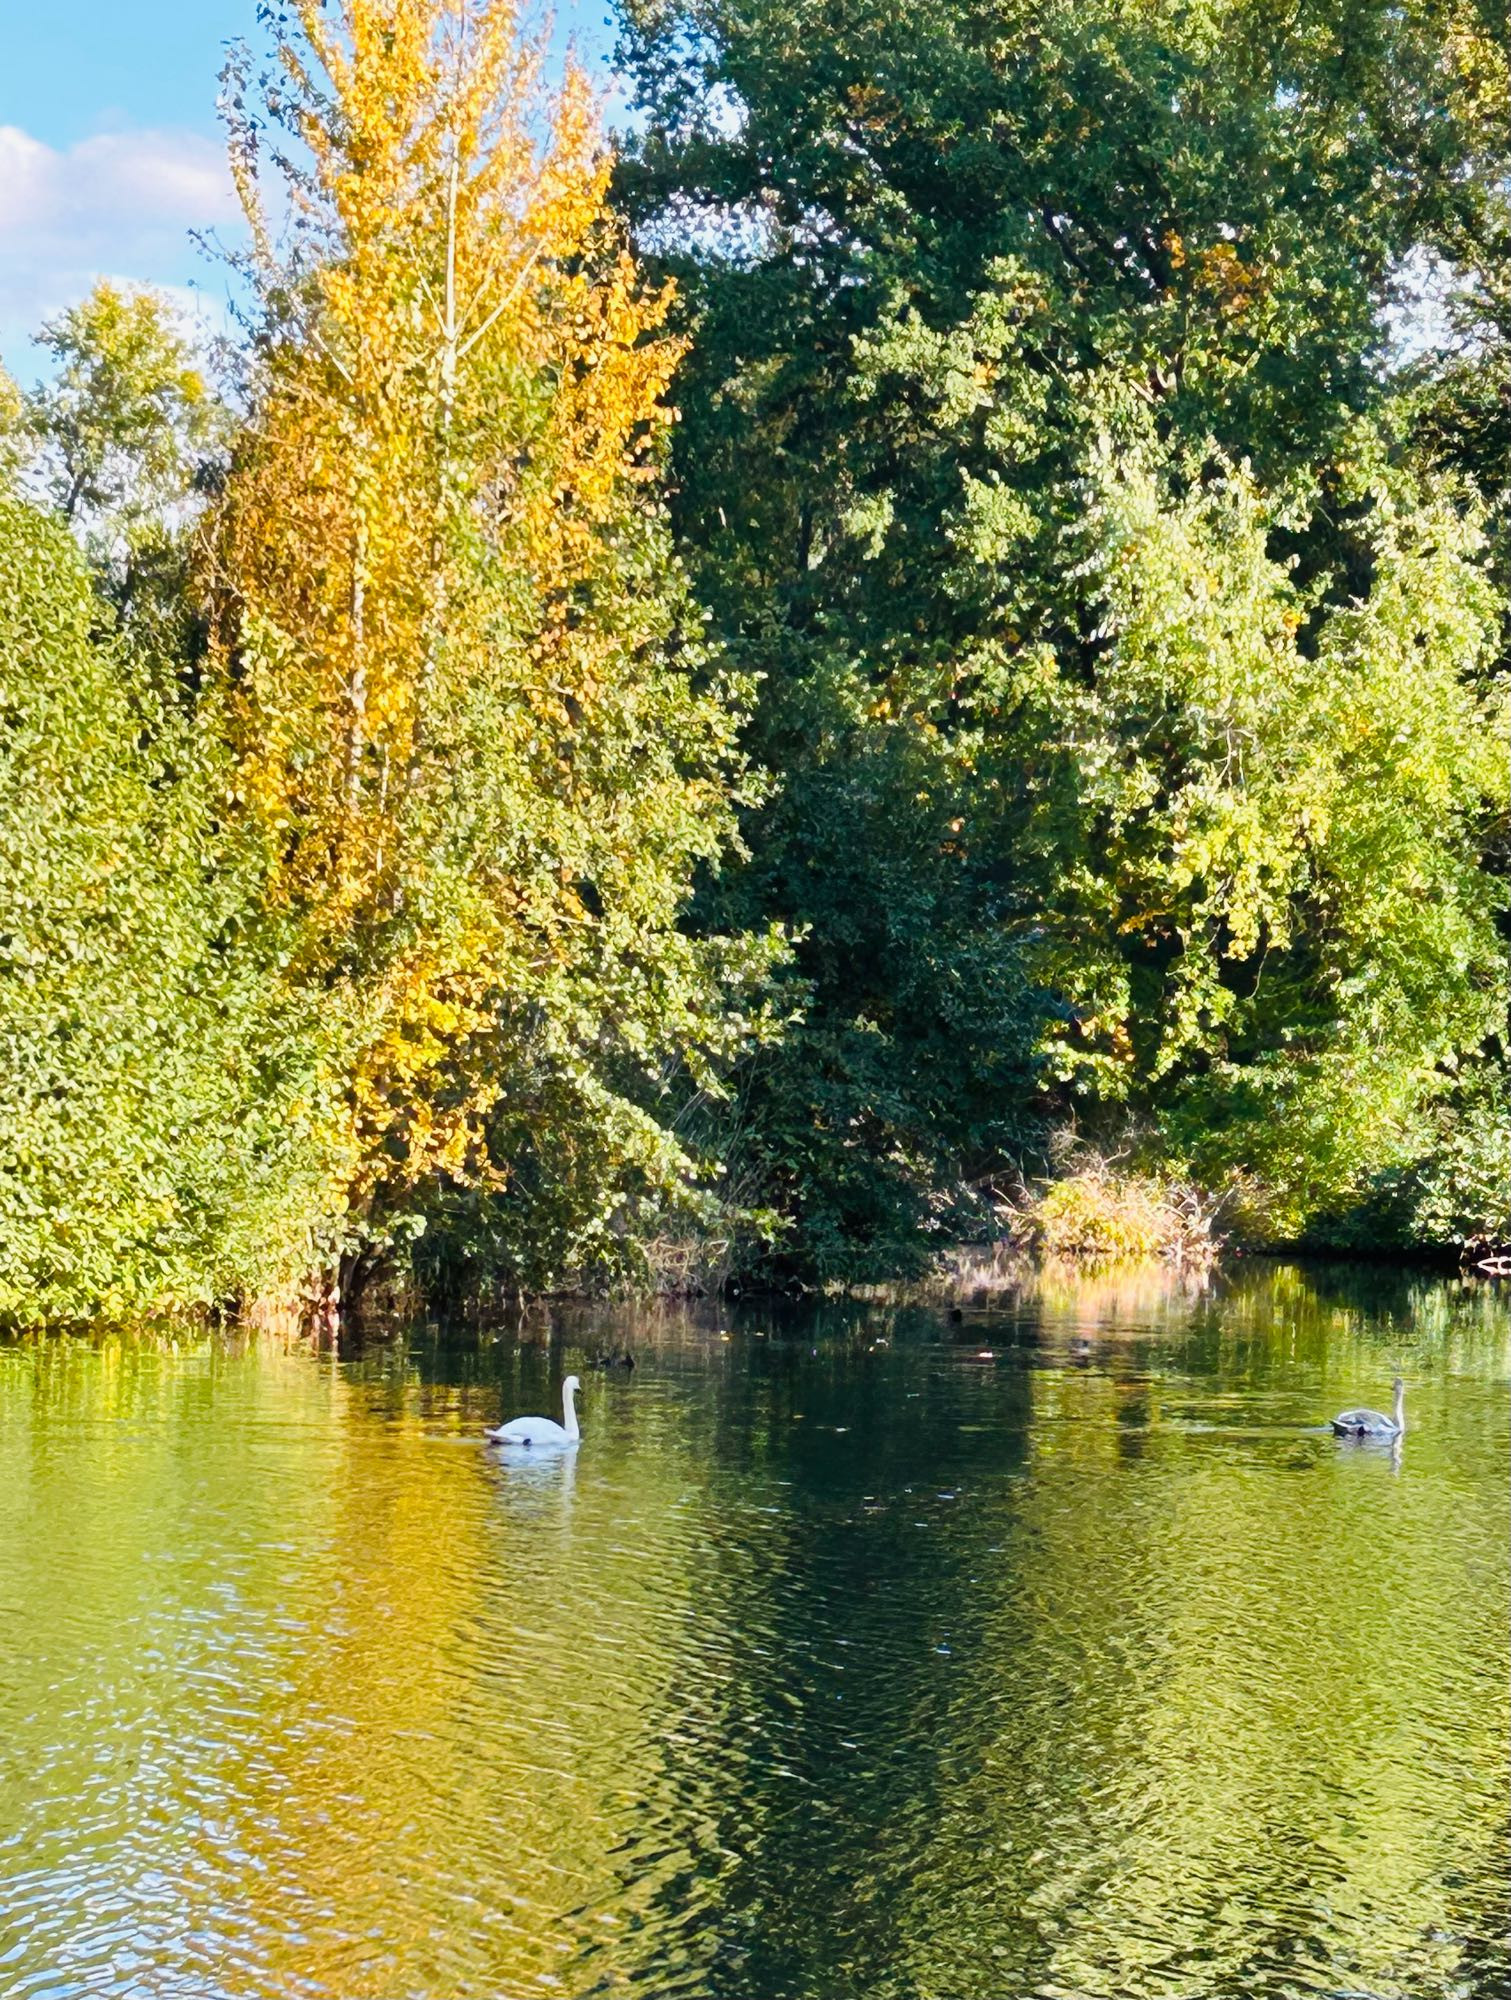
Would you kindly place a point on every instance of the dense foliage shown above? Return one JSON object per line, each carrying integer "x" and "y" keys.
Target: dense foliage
{"x": 162, "y": 1140}
{"x": 406, "y": 737}
{"x": 472, "y": 717}
{"x": 773, "y": 690}
{"x": 1040, "y": 453}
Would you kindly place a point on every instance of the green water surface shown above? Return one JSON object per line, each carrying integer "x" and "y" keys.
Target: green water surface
{"x": 859, "y": 1653}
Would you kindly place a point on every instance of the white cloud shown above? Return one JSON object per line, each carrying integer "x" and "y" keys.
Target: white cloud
{"x": 118, "y": 205}
{"x": 131, "y": 179}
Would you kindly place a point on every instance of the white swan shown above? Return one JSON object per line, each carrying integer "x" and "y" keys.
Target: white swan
{"x": 1374, "y": 1423}
{"x": 539, "y": 1431}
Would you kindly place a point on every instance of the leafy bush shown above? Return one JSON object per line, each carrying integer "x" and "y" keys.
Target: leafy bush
{"x": 1460, "y": 1192}
{"x": 160, "y": 1111}
{"x": 1099, "y": 1211}
{"x": 1277, "y": 935}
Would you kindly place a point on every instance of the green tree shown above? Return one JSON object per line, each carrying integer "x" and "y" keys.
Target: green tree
{"x": 1274, "y": 927}
{"x": 933, "y": 254}
{"x": 119, "y": 422}
{"x": 160, "y": 1119}
{"x": 123, "y": 438}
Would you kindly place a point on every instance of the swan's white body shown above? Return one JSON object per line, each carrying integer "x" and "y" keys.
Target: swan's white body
{"x": 1374, "y": 1423}
{"x": 538, "y": 1432}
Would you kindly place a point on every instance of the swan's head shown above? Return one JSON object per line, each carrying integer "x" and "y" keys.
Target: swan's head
{"x": 570, "y": 1386}
{"x": 1399, "y": 1386}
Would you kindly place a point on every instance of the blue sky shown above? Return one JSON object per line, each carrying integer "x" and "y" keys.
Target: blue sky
{"x": 72, "y": 70}
{"x": 109, "y": 150}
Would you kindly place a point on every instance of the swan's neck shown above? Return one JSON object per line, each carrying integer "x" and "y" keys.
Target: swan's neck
{"x": 1401, "y": 1409}
{"x": 569, "y": 1411}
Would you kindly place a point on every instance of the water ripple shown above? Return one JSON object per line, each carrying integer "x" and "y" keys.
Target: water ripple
{"x": 1054, "y": 1655}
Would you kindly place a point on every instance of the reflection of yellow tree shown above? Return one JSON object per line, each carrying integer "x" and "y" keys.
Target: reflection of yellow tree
{"x": 468, "y": 1730}
{"x": 341, "y": 1786}
{"x": 1114, "y": 1295}
{"x": 377, "y": 1708}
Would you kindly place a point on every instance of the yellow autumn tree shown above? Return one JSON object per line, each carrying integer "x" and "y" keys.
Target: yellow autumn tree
{"x": 451, "y": 643}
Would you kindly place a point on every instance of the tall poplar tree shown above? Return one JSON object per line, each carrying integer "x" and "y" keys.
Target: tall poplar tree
{"x": 468, "y": 706}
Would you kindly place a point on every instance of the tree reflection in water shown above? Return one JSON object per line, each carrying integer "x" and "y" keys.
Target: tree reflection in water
{"x": 1053, "y": 1649}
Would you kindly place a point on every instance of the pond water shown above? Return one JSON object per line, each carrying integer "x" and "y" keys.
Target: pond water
{"x": 859, "y": 1651}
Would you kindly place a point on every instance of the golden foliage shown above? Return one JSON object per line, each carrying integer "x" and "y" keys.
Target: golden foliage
{"x": 459, "y": 389}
